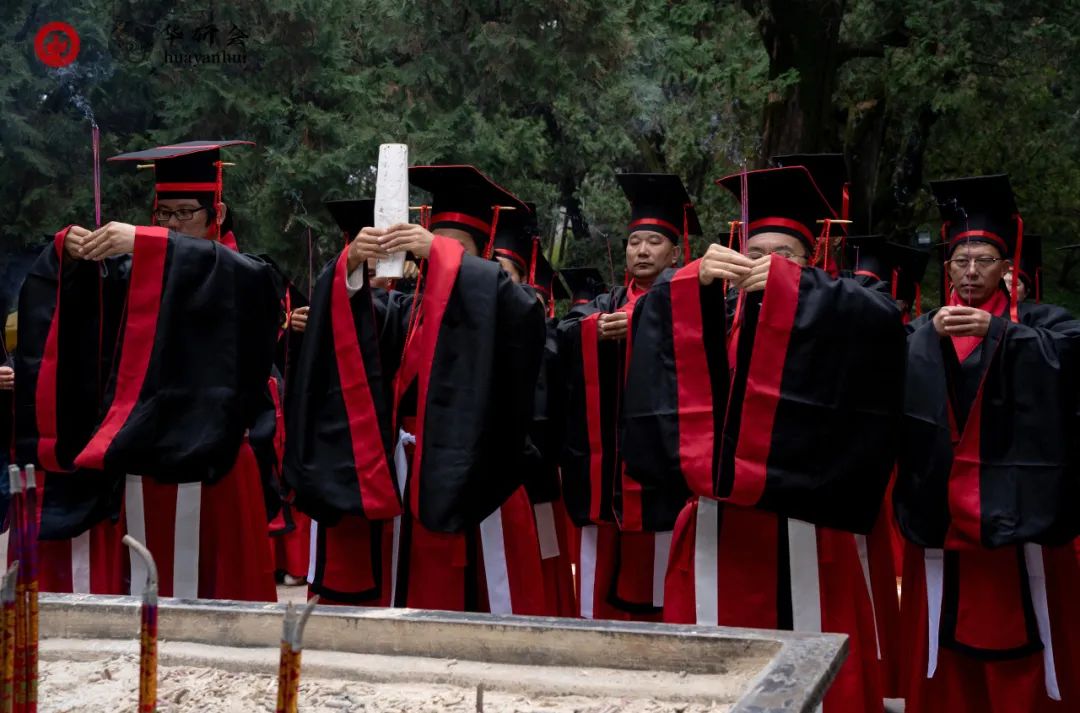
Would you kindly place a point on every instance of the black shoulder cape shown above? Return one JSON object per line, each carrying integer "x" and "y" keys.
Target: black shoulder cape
{"x": 1000, "y": 469}
{"x": 802, "y": 424}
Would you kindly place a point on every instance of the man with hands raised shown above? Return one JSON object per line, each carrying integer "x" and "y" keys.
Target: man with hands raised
{"x": 408, "y": 415}
{"x": 734, "y": 401}
{"x": 144, "y": 354}
{"x": 986, "y": 491}
{"x": 622, "y": 548}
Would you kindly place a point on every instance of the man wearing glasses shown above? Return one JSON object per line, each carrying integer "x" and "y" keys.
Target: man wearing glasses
{"x": 770, "y": 390}
{"x": 986, "y": 490}
{"x": 144, "y": 354}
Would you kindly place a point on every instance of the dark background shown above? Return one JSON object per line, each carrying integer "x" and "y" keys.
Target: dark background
{"x": 549, "y": 98}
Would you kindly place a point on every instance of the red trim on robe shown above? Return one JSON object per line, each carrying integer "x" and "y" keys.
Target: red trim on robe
{"x": 965, "y": 496}
{"x": 696, "y": 424}
{"x": 631, "y": 519}
{"x": 45, "y": 393}
{"x": 590, "y": 365}
{"x": 763, "y": 382}
{"x": 996, "y": 305}
{"x": 140, "y": 331}
{"x": 444, "y": 263}
{"x": 347, "y": 565}
{"x": 990, "y": 614}
{"x": 964, "y": 684}
{"x": 521, "y": 548}
{"x": 748, "y": 563}
{"x": 374, "y": 479}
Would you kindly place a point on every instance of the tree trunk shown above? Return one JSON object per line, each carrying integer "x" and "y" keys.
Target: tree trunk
{"x": 804, "y": 36}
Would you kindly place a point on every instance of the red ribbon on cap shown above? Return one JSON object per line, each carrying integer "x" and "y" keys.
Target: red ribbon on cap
{"x": 982, "y": 235}
{"x": 653, "y": 221}
{"x": 778, "y": 222}
{"x": 491, "y": 232}
{"x": 463, "y": 218}
{"x": 187, "y": 187}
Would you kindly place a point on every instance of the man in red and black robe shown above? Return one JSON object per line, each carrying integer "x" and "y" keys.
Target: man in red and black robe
{"x": 987, "y": 491}
{"x": 143, "y": 358}
{"x": 623, "y": 539}
{"x": 893, "y": 269}
{"x": 771, "y": 391}
{"x": 409, "y": 413}
{"x": 518, "y": 251}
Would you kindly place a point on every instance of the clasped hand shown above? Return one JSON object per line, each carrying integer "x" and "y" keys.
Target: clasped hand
{"x": 962, "y": 321}
{"x": 107, "y": 241}
{"x": 383, "y": 242}
{"x": 742, "y": 272}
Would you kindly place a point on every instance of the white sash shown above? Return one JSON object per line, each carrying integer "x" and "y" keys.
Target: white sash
{"x": 934, "y": 563}
{"x": 495, "y": 571}
{"x": 661, "y": 551}
{"x": 587, "y": 575}
{"x": 864, "y": 560}
{"x": 313, "y": 551}
{"x": 545, "y": 530}
{"x": 136, "y": 527}
{"x": 805, "y": 578}
{"x": 401, "y": 469}
{"x": 805, "y": 584}
{"x": 185, "y": 581}
{"x": 186, "y": 541}
{"x": 1033, "y": 556}
{"x": 80, "y": 563}
{"x": 706, "y": 585}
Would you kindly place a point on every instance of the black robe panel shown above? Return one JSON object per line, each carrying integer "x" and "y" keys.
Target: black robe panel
{"x": 806, "y": 420}
{"x": 340, "y": 437}
{"x": 153, "y": 364}
{"x": 546, "y": 433}
{"x": 473, "y": 356}
{"x": 990, "y": 458}
{"x": 592, "y": 387}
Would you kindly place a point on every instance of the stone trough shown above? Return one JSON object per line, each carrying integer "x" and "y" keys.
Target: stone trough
{"x": 221, "y": 655}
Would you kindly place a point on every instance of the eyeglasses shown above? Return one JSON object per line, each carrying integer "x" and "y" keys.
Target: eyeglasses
{"x": 182, "y": 215}
{"x": 788, "y": 253}
{"x": 981, "y": 263}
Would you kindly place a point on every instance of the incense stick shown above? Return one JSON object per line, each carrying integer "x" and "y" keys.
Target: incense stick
{"x": 297, "y": 648}
{"x": 7, "y": 654}
{"x": 148, "y": 629}
{"x": 284, "y": 659}
{"x": 18, "y": 533}
{"x": 30, "y": 552}
{"x": 296, "y": 645}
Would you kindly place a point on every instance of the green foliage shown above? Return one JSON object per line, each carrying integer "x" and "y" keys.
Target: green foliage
{"x": 550, "y": 97}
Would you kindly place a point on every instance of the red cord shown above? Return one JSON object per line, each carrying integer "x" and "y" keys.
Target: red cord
{"x": 491, "y": 234}
{"x": 532, "y": 261}
{"x": 1014, "y": 307}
